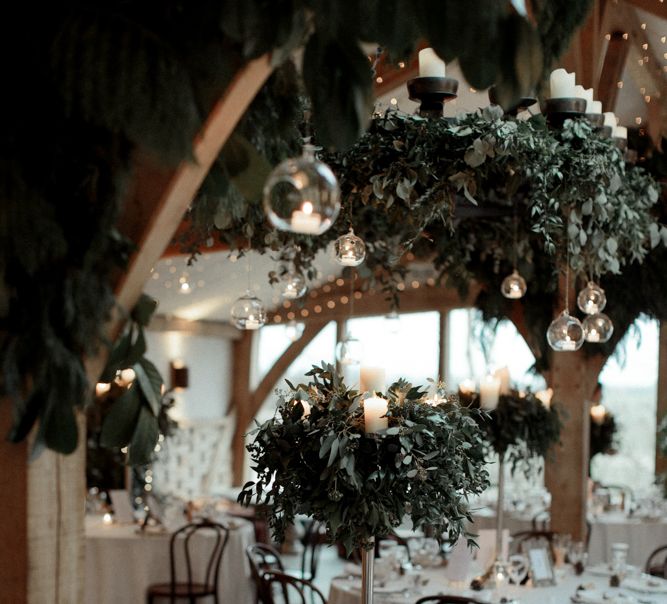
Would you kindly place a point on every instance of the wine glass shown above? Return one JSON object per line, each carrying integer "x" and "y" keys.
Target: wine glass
{"x": 517, "y": 567}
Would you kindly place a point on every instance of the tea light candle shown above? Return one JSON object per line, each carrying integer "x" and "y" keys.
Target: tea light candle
{"x": 374, "y": 408}
{"x": 348, "y": 259}
{"x": 372, "y": 379}
{"x": 609, "y": 119}
{"x": 561, "y": 84}
{"x": 593, "y": 335}
{"x": 489, "y": 391}
{"x": 107, "y": 519}
{"x": 430, "y": 64}
{"x": 594, "y": 107}
{"x": 620, "y": 132}
{"x": 503, "y": 376}
{"x": 568, "y": 344}
{"x": 306, "y": 220}
{"x": 252, "y": 323}
{"x": 597, "y": 413}
{"x": 545, "y": 397}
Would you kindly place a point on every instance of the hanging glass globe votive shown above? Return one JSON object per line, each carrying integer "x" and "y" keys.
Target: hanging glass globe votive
{"x": 591, "y": 299}
{"x": 566, "y": 333}
{"x": 349, "y": 250}
{"x": 349, "y": 351}
{"x": 598, "y": 328}
{"x": 294, "y": 330}
{"x": 292, "y": 285}
{"x": 248, "y": 312}
{"x": 302, "y": 195}
{"x": 513, "y": 286}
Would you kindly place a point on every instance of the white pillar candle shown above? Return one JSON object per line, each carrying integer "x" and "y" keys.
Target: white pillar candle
{"x": 620, "y": 132}
{"x": 372, "y": 379}
{"x": 610, "y": 119}
{"x": 545, "y": 396}
{"x": 594, "y": 107}
{"x": 561, "y": 84}
{"x": 430, "y": 64}
{"x": 467, "y": 387}
{"x": 597, "y": 413}
{"x": 374, "y": 408}
{"x": 579, "y": 92}
{"x": 306, "y": 220}
{"x": 489, "y": 391}
{"x": 503, "y": 376}
{"x": 351, "y": 376}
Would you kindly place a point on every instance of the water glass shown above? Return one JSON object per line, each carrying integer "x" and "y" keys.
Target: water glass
{"x": 517, "y": 567}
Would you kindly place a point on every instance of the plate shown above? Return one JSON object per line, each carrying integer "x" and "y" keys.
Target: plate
{"x": 597, "y": 596}
{"x": 646, "y": 585}
{"x": 603, "y": 570}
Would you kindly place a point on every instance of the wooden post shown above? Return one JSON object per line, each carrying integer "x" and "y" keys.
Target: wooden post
{"x": 661, "y": 409}
{"x": 241, "y": 401}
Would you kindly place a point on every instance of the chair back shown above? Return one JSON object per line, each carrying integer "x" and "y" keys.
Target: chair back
{"x": 181, "y": 540}
{"x": 263, "y": 557}
{"x": 541, "y": 520}
{"x": 523, "y": 538}
{"x": 287, "y": 589}
{"x": 440, "y": 599}
{"x": 313, "y": 540}
{"x": 656, "y": 564}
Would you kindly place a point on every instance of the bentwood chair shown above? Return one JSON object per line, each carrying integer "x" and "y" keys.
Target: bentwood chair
{"x": 447, "y": 600}
{"x": 263, "y": 557}
{"x": 191, "y": 590}
{"x": 656, "y": 564}
{"x": 546, "y": 537}
{"x": 313, "y": 540}
{"x": 281, "y": 588}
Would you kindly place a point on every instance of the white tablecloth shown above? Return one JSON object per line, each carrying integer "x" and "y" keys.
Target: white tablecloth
{"x": 121, "y": 564}
{"x": 346, "y": 591}
{"x": 643, "y": 536}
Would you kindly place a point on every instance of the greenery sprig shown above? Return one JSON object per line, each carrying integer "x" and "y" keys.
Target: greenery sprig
{"x": 426, "y": 464}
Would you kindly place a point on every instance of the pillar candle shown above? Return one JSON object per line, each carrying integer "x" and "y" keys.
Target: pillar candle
{"x": 609, "y": 119}
{"x": 561, "y": 84}
{"x": 620, "y": 132}
{"x": 430, "y": 64}
{"x": 503, "y": 376}
{"x": 489, "y": 391}
{"x": 372, "y": 379}
{"x": 374, "y": 408}
{"x": 594, "y": 107}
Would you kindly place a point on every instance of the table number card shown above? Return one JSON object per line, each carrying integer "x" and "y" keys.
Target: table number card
{"x": 541, "y": 568}
{"x": 123, "y": 512}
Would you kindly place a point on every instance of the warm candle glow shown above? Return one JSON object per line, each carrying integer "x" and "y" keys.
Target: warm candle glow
{"x": 102, "y": 388}
{"x": 545, "y": 396}
{"x": 372, "y": 379}
{"x": 107, "y": 519}
{"x": 430, "y": 64}
{"x": 489, "y": 391}
{"x": 597, "y": 413}
{"x": 374, "y": 408}
{"x": 467, "y": 387}
{"x": 306, "y": 220}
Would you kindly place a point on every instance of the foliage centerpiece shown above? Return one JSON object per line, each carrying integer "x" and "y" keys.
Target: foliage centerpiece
{"x": 314, "y": 457}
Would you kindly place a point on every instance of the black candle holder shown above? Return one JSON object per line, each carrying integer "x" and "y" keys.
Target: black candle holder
{"x": 596, "y": 119}
{"x": 605, "y": 131}
{"x": 559, "y": 110}
{"x": 519, "y": 105}
{"x": 621, "y": 143}
{"x": 432, "y": 93}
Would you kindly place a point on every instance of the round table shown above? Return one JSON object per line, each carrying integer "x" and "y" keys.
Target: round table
{"x": 121, "y": 563}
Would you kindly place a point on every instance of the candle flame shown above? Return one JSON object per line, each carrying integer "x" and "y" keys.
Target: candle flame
{"x": 307, "y": 207}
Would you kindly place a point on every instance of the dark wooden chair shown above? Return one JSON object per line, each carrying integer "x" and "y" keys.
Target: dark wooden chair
{"x": 263, "y": 557}
{"x": 656, "y": 564}
{"x": 313, "y": 540}
{"x": 521, "y": 538}
{"x": 282, "y": 588}
{"x": 447, "y": 600}
{"x": 192, "y": 590}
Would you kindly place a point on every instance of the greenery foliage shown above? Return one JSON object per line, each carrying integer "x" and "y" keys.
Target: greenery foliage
{"x": 603, "y": 436}
{"x": 425, "y": 464}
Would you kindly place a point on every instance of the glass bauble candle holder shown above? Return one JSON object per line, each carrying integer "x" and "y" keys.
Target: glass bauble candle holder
{"x": 302, "y": 195}
{"x": 349, "y": 250}
{"x": 514, "y": 286}
{"x": 294, "y": 330}
{"x": 292, "y": 285}
{"x": 598, "y": 328}
{"x": 591, "y": 299}
{"x": 349, "y": 351}
{"x": 566, "y": 333}
{"x": 248, "y": 312}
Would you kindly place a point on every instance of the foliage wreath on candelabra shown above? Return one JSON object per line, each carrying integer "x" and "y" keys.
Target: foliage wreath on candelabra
{"x": 314, "y": 457}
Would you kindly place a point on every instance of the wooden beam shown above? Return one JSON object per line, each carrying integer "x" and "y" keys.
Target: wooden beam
{"x": 612, "y": 70}
{"x": 242, "y": 361}
{"x": 661, "y": 409}
{"x": 656, "y": 7}
{"x": 159, "y": 197}
{"x": 215, "y": 329}
{"x": 583, "y": 56}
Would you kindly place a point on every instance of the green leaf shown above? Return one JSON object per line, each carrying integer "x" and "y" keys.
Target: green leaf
{"x": 60, "y": 430}
{"x": 150, "y": 383}
{"x": 120, "y": 422}
{"x": 144, "y": 309}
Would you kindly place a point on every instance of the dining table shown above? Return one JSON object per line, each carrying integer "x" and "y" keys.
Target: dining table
{"x": 407, "y": 589}
{"x": 122, "y": 561}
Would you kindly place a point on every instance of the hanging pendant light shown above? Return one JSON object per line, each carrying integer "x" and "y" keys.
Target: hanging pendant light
{"x": 349, "y": 351}
{"x": 294, "y": 330}
{"x": 598, "y": 328}
{"x": 591, "y": 299}
{"x": 349, "y": 250}
{"x": 566, "y": 333}
{"x": 513, "y": 286}
{"x": 302, "y": 195}
{"x": 292, "y": 285}
{"x": 248, "y": 312}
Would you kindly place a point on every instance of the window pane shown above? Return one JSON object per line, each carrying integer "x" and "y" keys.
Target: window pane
{"x": 406, "y": 347}
{"x": 629, "y": 391}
